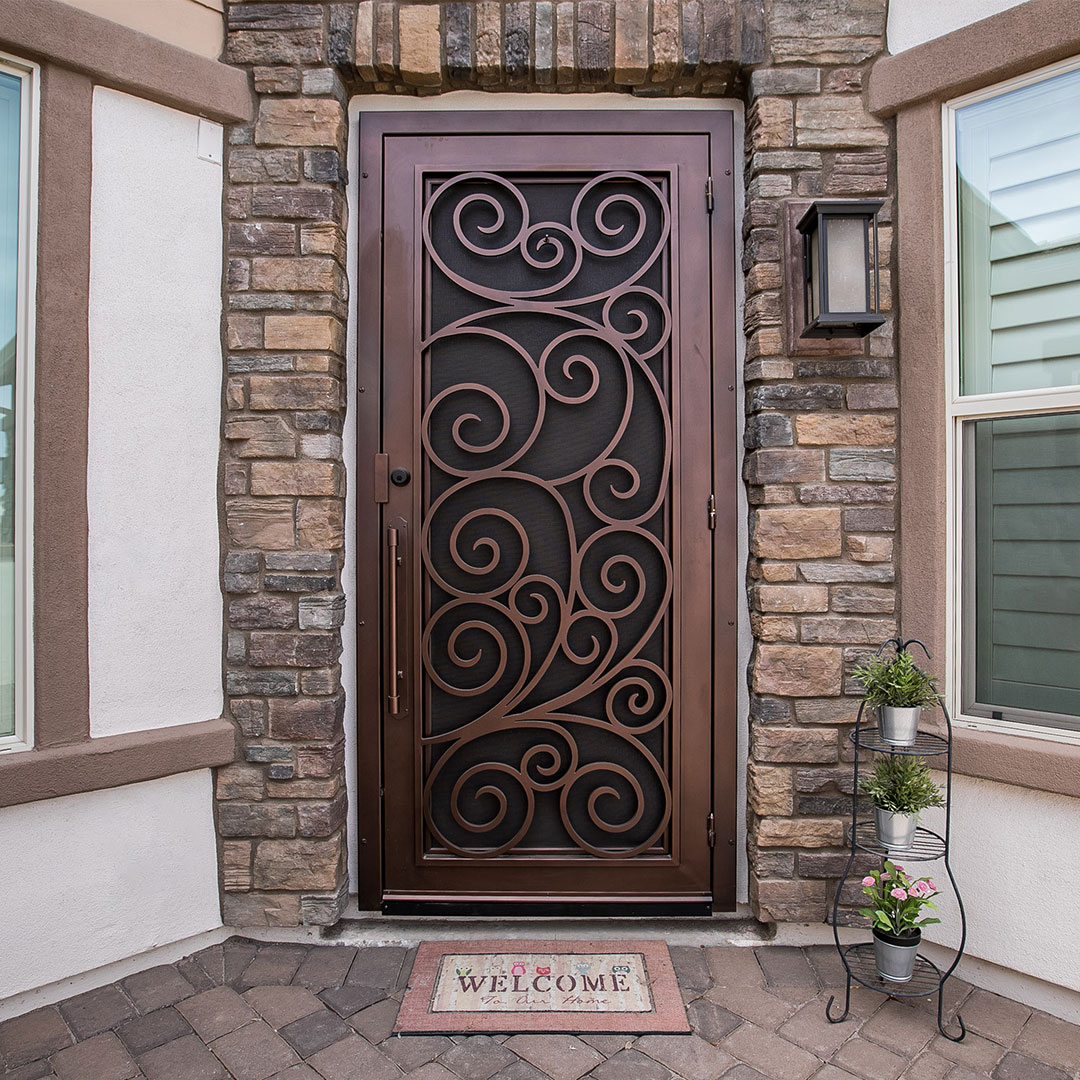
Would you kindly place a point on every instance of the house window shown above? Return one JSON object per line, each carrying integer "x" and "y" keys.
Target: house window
{"x": 1014, "y": 398}
{"x": 17, "y": 120}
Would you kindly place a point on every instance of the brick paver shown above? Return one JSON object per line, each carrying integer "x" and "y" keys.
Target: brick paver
{"x": 97, "y": 1011}
{"x": 349, "y": 1000}
{"x": 1046, "y": 1038}
{"x": 249, "y": 1010}
{"x": 376, "y": 1022}
{"x": 281, "y": 1005}
{"x": 182, "y": 1059}
{"x": 315, "y": 1032}
{"x": 478, "y": 1057}
{"x": 153, "y": 1030}
{"x": 377, "y": 967}
{"x": 102, "y": 1057}
{"x": 33, "y": 1036}
{"x": 324, "y": 968}
{"x": 156, "y": 988}
{"x": 216, "y": 1012}
{"x": 254, "y": 1051}
{"x": 562, "y": 1057}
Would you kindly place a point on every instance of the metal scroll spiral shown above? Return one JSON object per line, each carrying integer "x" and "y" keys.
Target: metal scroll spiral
{"x": 576, "y": 577}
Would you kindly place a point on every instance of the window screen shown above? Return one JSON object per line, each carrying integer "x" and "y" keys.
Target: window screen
{"x": 1025, "y": 553}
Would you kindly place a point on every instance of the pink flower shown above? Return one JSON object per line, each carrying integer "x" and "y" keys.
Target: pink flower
{"x": 918, "y": 888}
{"x": 898, "y": 894}
{"x": 930, "y": 885}
{"x": 898, "y": 868}
{"x": 868, "y": 881}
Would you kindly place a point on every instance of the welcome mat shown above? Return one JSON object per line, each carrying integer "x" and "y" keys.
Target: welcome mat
{"x": 557, "y": 987}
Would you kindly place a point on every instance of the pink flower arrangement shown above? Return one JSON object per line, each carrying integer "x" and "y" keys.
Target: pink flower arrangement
{"x": 923, "y": 888}
{"x": 897, "y": 902}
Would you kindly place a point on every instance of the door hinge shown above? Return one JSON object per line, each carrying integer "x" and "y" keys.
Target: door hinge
{"x": 382, "y": 478}
{"x": 710, "y": 829}
{"x": 712, "y": 511}
{"x": 708, "y": 195}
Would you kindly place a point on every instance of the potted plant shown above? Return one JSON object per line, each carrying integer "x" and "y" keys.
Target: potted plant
{"x": 900, "y": 787}
{"x": 898, "y": 689}
{"x": 896, "y": 914}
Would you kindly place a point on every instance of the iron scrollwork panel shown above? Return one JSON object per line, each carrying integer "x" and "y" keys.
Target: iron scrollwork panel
{"x": 548, "y": 712}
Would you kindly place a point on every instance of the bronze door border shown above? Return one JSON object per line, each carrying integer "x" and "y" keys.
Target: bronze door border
{"x": 374, "y": 130}
{"x": 684, "y": 869}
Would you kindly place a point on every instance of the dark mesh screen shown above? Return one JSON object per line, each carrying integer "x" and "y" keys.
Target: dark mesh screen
{"x": 547, "y": 713}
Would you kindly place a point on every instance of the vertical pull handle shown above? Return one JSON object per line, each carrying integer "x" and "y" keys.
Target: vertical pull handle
{"x": 393, "y": 698}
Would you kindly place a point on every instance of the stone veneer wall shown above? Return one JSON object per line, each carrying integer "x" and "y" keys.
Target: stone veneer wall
{"x": 820, "y": 426}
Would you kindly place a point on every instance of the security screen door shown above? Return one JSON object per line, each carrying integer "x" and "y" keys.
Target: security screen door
{"x": 549, "y": 502}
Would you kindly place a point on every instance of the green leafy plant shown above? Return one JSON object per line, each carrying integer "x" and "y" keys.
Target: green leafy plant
{"x": 897, "y": 682}
{"x": 901, "y": 784}
{"x": 897, "y": 902}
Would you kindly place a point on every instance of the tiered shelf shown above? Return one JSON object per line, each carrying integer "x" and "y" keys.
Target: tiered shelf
{"x": 858, "y": 960}
{"x": 860, "y": 965}
{"x": 927, "y": 846}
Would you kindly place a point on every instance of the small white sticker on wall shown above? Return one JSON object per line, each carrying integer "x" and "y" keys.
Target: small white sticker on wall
{"x": 210, "y": 141}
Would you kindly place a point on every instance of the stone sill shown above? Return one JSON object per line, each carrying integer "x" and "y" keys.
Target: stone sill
{"x": 1018, "y": 760}
{"x": 1011, "y": 42}
{"x": 114, "y": 760}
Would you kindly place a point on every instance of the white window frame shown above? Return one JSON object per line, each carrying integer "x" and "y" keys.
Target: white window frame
{"x": 30, "y": 76}
{"x": 961, "y": 409}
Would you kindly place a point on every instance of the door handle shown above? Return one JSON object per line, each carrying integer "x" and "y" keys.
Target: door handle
{"x": 394, "y": 674}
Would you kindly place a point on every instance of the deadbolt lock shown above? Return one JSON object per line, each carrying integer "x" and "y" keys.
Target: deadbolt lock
{"x": 400, "y": 477}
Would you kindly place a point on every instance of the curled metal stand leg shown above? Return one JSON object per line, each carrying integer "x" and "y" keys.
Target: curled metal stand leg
{"x": 941, "y": 1018}
{"x": 847, "y": 1005}
{"x": 836, "y": 896}
{"x": 956, "y": 892}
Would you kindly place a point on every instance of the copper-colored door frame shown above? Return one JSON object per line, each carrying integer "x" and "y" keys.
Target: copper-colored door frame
{"x": 701, "y": 873}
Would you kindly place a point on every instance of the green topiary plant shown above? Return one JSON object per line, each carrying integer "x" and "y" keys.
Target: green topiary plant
{"x": 901, "y": 784}
{"x": 898, "y": 682}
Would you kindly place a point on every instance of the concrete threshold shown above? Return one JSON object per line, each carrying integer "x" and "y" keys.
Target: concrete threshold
{"x": 374, "y": 928}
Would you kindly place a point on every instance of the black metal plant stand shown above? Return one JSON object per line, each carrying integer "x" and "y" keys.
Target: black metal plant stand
{"x": 858, "y": 960}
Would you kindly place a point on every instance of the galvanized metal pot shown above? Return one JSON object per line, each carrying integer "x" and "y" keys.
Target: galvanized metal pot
{"x": 898, "y": 726}
{"x": 894, "y": 956}
{"x": 895, "y": 831}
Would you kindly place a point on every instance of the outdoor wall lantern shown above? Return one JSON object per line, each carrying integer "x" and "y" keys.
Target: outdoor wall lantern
{"x": 840, "y": 269}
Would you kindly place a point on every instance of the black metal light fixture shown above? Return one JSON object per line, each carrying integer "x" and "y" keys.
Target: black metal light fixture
{"x": 840, "y": 269}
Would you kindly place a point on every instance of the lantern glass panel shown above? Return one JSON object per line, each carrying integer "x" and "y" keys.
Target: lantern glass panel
{"x": 847, "y": 264}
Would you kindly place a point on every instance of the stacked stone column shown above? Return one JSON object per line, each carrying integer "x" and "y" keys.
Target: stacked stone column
{"x": 821, "y": 459}
{"x": 282, "y": 809}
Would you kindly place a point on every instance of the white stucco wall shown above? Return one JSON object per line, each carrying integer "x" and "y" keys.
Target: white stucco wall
{"x": 1014, "y": 857}
{"x": 911, "y": 22}
{"x": 81, "y": 887}
{"x": 92, "y": 879}
{"x": 155, "y": 604}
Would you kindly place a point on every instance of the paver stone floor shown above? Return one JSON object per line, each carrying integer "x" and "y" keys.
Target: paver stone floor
{"x": 267, "y": 1011}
